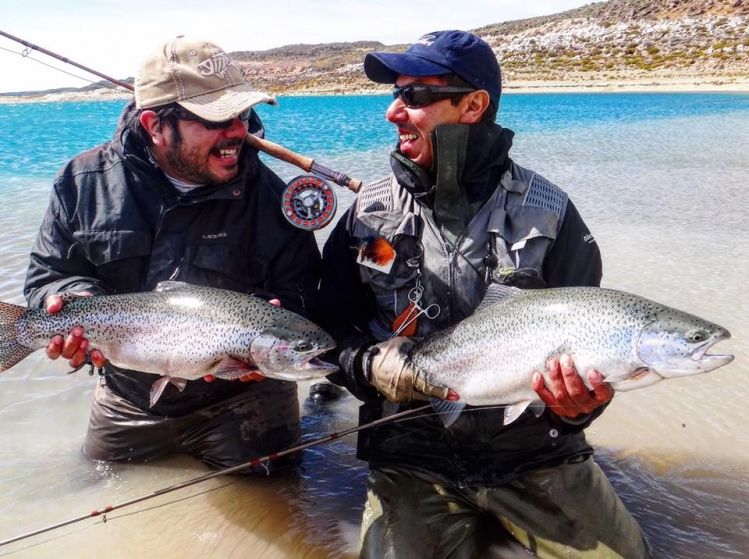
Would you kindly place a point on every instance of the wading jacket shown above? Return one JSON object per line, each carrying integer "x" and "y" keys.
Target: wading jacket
{"x": 493, "y": 221}
{"x": 115, "y": 224}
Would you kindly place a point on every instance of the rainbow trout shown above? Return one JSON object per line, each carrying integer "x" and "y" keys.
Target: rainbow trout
{"x": 182, "y": 332}
{"x": 489, "y": 358}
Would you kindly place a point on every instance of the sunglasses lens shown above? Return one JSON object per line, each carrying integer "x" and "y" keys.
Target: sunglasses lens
{"x": 413, "y": 96}
{"x": 244, "y": 117}
{"x": 417, "y": 96}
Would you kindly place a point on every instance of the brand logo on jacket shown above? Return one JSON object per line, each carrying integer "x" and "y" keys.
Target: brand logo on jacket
{"x": 215, "y": 235}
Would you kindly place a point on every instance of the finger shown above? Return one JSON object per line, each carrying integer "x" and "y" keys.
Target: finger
{"x": 54, "y": 348}
{"x": 98, "y": 359}
{"x": 578, "y": 393}
{"x": 72, "y": 342}
{"x": 538, "y": 385}
{"x": 79, "y": 357}
{"x": 209, "y": 378}
{"x": 275, "y": 302}
{"x": 53, "y": 304}
{"x": 556, "y": 384}
{"x": 602, "y": 391}
{"x": 252, "y": 377}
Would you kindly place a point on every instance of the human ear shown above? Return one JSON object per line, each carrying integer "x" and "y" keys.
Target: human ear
{"x": 473, "y": 106}
{"x": 151, "y": 123}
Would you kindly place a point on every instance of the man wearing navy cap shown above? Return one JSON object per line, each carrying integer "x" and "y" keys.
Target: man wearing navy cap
{"x": 456, "y": 215}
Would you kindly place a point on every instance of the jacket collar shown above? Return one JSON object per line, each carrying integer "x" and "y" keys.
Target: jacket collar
{"x": 469, "y": 161}
{"x": 486, "y": 148}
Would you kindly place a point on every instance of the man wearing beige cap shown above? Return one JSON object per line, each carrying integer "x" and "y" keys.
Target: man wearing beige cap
{"x": 176, "y": 195}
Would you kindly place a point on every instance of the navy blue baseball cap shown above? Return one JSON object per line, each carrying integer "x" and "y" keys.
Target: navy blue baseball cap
{"x": 437, "y": 54}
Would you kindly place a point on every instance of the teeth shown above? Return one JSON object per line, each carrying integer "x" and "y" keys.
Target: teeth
{"x": 227, "y": 152}
{"x": 405, "y": 137}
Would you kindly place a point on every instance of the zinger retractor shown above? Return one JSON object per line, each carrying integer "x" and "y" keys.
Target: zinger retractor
{"x": 308, "y": 202}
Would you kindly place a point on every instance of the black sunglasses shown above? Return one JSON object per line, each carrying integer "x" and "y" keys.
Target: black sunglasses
{"x": 419, "y": 95}
{"x": 184, "y": 114}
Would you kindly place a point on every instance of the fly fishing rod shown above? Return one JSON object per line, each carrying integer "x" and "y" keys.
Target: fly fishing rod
{"x": 308, "y": 202}
{"x": 32, "y": 46}
{"x": 255, "y": 462}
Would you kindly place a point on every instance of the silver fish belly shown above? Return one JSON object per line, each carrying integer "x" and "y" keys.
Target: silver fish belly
{"x": 180, "y": 331}
{"x": 489, "y": 357}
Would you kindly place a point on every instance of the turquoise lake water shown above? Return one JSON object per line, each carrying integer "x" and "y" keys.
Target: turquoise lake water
{"x": 661, "y": 179}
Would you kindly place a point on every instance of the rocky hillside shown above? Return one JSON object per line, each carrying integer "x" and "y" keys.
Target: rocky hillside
{"x": 614, "y": 42}
{"x": 623, "y": 40}
{"x": 604, "y": 44}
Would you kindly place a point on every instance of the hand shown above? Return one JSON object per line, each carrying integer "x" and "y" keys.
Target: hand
{"x": 392, "y": 373}
{"x": 249, "y": 377}
{"x": 75, "y": 346}
{"x": 567, "y": 395}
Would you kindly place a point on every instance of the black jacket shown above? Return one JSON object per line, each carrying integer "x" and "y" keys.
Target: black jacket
{"x": 115, "y": 224}
{"x": 476, "y": 449}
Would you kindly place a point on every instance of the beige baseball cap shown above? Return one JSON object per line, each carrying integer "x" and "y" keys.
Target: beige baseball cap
{"x": 199, "y": 76}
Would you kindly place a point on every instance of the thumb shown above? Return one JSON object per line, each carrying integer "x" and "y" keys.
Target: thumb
{"x": 431, "y": 390}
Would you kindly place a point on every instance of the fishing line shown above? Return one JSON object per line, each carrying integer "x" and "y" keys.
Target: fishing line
{"x": 106, "y": 519}
{"x": 24, "y": 54}
{"x": 233, "y": 469}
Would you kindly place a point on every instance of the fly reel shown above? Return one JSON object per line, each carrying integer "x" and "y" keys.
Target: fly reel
{"x": 308, "y": 202}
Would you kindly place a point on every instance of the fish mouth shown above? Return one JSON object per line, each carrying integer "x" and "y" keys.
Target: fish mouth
{"x": 712, "y": 360}
{"x": 317, "y": 364}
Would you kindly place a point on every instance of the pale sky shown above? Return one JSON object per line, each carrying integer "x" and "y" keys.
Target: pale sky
{"x": 113, "y": 36}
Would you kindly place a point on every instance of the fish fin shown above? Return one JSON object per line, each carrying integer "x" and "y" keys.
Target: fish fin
{"x": 513, "y": 411}
{"x": 232, "y": 368}
{"x": 171, "y": 285}
{"x": 638, "y": 379}
{"x": 11, "y": 351}
{"x": 157, "y": 389}
{"x": 496, "y": 293}
{"x": 447, "y": 410}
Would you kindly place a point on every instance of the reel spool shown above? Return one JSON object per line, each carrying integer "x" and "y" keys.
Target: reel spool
{"x": 308, "y": 202}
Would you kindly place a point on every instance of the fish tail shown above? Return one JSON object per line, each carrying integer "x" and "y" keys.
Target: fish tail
{"x": 11, "y": 351}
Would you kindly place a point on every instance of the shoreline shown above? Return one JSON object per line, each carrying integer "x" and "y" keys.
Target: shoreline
{"x": 714, "y": 84}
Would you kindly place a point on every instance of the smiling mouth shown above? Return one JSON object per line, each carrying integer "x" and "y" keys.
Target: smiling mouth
{"x": 408, "y": 137}
{"x": 226, "y": 152}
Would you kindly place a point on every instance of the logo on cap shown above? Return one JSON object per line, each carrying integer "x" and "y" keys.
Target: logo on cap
{"x": 217, "y": 65}
{"x": 427, "y": 39}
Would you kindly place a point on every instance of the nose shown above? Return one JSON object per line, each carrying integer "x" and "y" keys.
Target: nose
{"x": 238, "y": 128}
{"x": 396, "y": 112}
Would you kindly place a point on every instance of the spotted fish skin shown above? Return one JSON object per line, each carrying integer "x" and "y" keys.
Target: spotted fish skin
{"x": 489, "y": 358}
{"x": 180, "y": 331}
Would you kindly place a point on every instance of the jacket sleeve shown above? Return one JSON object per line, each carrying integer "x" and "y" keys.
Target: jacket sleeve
{"x": 344, "y": 307}
{"x": 574, "y": 260}
{"x": 57, "y": 264}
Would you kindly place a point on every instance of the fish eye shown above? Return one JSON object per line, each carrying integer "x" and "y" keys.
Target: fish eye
{"x": 303, "y": 346}
{"x": 696, "y": 336}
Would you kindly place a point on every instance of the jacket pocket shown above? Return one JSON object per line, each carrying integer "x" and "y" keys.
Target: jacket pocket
{"x": 120, "y": 257}
{"x": 524, "y": 235}
{"x": 401, "y": 234}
